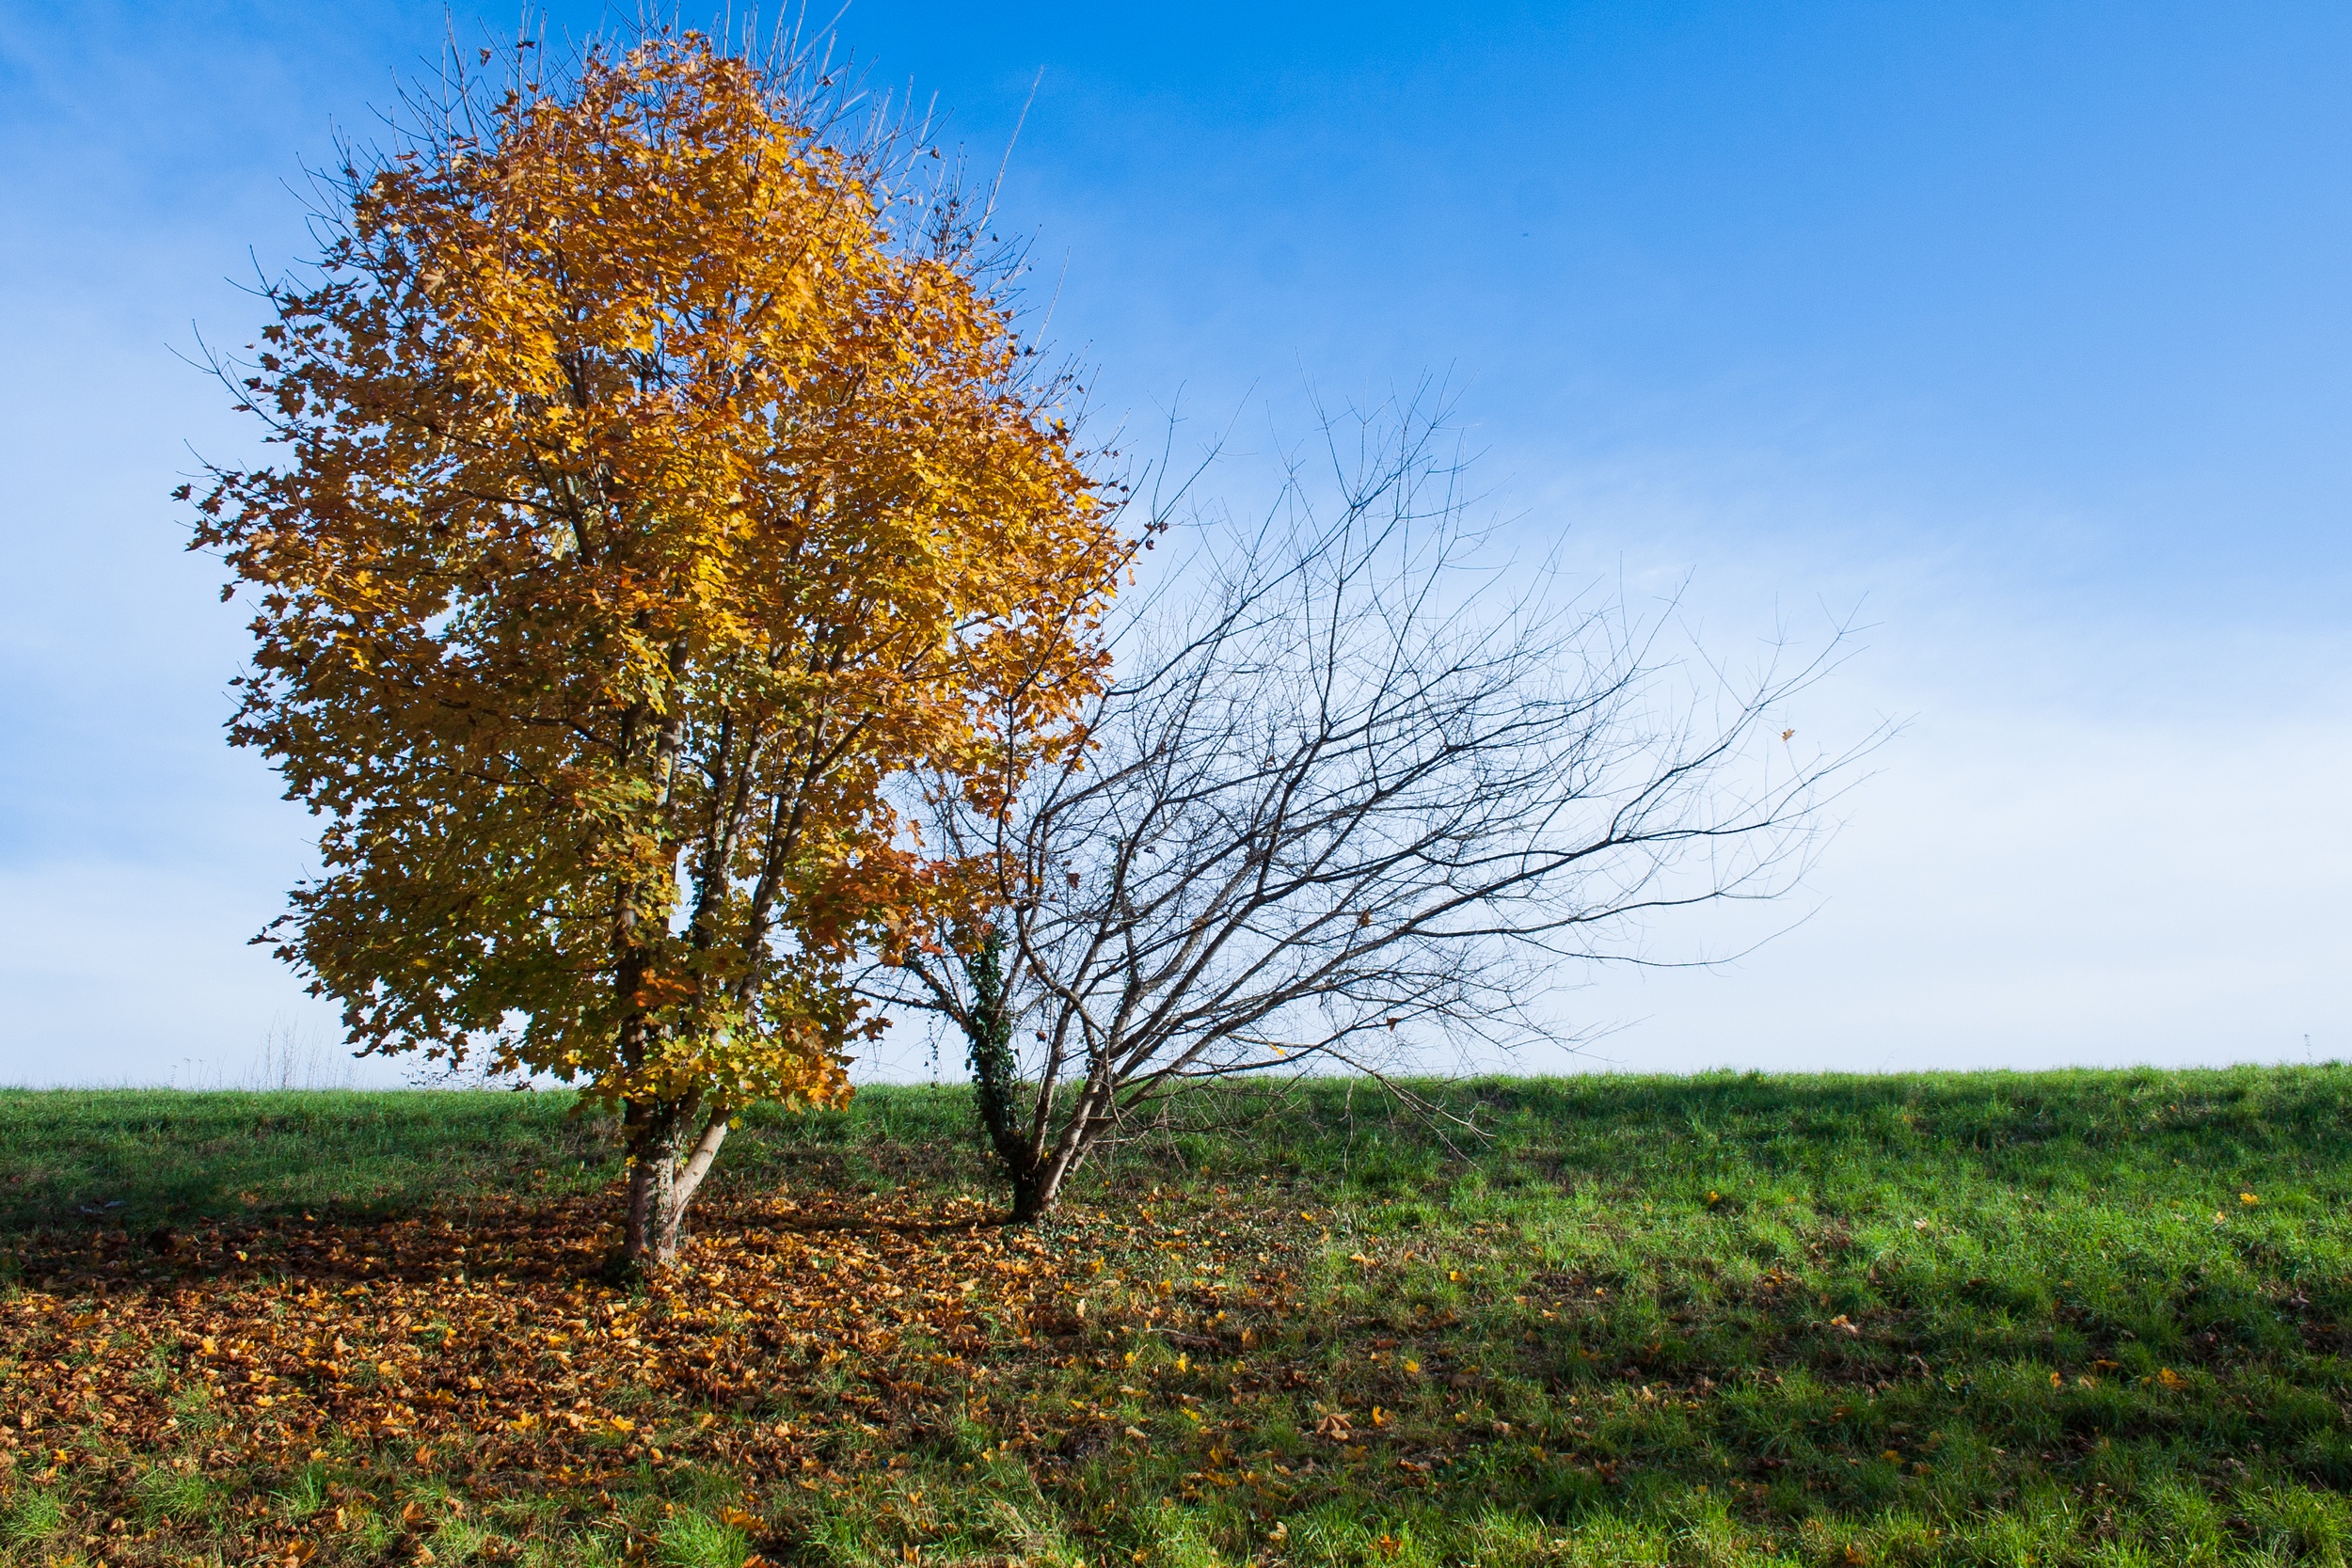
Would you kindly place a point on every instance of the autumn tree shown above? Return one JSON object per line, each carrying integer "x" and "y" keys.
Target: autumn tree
{"x": 657, "y": 475}
{"x": 1360, "y": 792}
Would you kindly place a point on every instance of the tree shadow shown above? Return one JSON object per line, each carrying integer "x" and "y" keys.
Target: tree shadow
{"x": 138, "y": 1158}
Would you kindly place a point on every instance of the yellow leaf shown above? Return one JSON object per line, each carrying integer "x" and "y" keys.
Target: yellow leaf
{"x": 739, "y": 445}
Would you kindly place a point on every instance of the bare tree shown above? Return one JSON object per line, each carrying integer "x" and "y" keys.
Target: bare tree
{"x": 1354, "y": 796}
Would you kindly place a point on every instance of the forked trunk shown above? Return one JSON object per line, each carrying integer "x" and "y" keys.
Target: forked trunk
{"x": 1036, "y": 1165}
{"x": 1036, "y": 1179}
{"x": 1037, "y": 1186}
{"x": 665, "y": 1173}
{"x": 1033, "y": 1195}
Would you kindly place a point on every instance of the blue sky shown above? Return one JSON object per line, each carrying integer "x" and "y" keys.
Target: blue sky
{"x": 2022, "y": 328}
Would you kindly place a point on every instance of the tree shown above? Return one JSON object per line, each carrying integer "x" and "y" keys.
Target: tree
{"x": 1351, "y": 800}
{"x": 658, "y": 476}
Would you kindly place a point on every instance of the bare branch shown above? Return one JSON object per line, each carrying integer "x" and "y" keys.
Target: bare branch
{"x": 1369, "y": 790}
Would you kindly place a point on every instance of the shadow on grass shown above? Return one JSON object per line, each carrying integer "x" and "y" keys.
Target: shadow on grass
{"x": 2072, "y": 1318}
{"x": 137, "y": 1159}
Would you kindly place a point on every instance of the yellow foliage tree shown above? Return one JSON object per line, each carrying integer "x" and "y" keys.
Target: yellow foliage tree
{"x": 658, "y": 482}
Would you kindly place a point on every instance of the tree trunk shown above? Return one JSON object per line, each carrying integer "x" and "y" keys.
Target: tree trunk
{"x": 1038, "y": 1187}
{"x": 663, "y": 1176}
{"x": 995, "y": 1082}
{"x": 1031, "y": 1199}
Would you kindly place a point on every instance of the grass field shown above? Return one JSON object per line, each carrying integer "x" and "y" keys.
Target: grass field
{"x": 2073, "y": 1317}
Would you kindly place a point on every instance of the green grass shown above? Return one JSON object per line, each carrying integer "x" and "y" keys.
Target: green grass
{"x": 1985, "y": 1319}
{"x": 141, "y": 1157}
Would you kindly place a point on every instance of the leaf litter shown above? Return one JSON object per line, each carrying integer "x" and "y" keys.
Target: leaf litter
{"x": 494, "y": 1357}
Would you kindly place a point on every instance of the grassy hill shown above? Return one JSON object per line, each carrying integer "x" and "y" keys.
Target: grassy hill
{"x": 2048, "y": 1318}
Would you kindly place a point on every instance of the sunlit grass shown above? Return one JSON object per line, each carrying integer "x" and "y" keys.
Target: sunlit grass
{"x": 2090, "y": 1318}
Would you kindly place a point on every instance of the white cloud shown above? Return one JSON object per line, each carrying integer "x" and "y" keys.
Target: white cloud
{"x": 2022, "y": 888}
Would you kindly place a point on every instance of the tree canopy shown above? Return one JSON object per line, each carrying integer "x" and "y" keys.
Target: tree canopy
{"x": 657, "y": 475}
